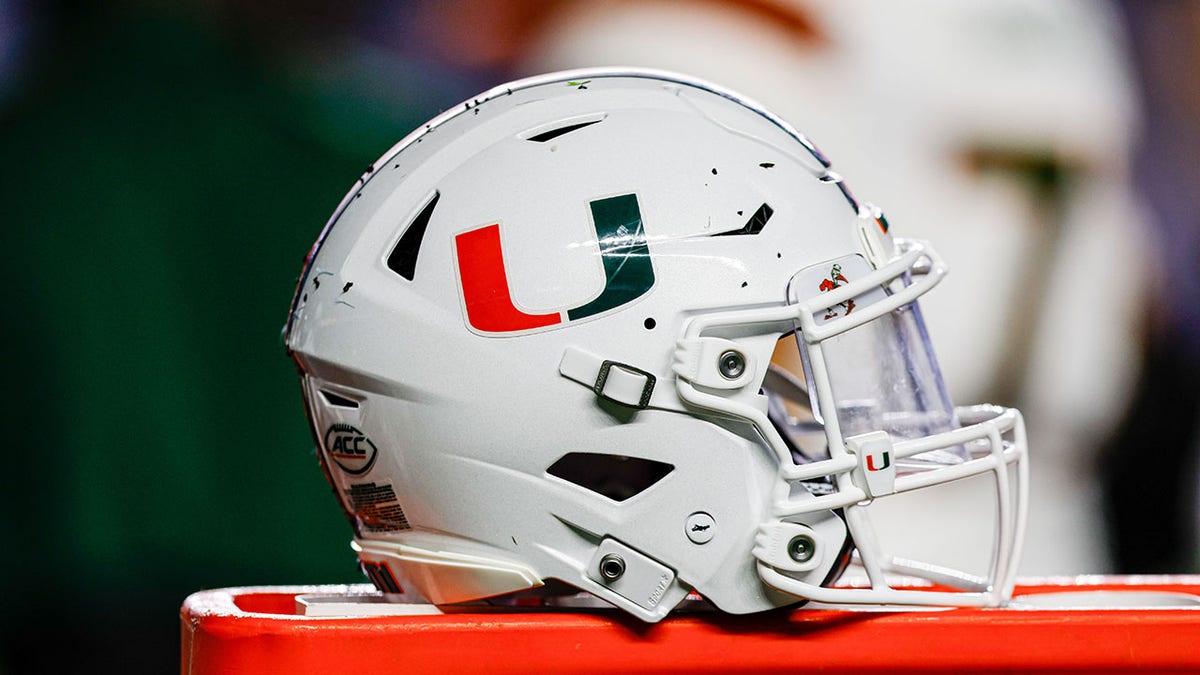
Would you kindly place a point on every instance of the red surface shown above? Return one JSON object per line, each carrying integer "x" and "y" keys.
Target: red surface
{"x": 266, "y": 603}
{"x": 485, "y": 285}
{"x": 256, "y": 631}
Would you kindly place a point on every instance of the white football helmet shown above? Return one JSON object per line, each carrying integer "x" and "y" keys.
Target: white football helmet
{"x": 627, "y": 331}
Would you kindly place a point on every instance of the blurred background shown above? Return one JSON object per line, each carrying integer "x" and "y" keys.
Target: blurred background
{"x": 166, "y": 166}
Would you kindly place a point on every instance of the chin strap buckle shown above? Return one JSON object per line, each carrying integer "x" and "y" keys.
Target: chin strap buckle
{"x": 610, "y": 380}
{"x": 624, "y": 384}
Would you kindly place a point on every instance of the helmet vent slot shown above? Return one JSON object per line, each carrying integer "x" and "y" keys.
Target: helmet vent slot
{"x": 340, "y": 401}
{"x": 614, "y": 476}
{"x": 403, "y": 259}
{"x": 564, "y": 127}
{"x": 758, "y": 220}
{"x": 381, "y": 576}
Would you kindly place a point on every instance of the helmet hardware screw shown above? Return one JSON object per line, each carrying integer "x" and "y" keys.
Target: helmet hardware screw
{"x": 732, "y": 364}
{"x": 612, "y": 566}
{"x": 801, "y": 548}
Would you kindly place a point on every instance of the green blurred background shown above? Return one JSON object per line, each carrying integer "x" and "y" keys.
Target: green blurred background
{"x": 166, "y": 170}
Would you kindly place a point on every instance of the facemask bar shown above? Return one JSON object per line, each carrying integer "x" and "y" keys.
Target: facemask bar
{"x": 990, "y": 425}
{"x": 987, "y": 426}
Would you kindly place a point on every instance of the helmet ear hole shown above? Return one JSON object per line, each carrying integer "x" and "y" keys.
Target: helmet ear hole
{"x": 616, "y": 477}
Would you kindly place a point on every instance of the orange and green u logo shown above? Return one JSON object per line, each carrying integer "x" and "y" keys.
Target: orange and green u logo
{"x": 628, "y": 272}
{"x": 887, "y": 461}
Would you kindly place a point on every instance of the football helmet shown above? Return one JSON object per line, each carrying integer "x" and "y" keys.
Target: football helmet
{"x": 626, "y": 332}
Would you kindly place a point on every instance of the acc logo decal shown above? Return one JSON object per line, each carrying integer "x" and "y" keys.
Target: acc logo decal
{"x": 350, "y": 449}
{"x": 628, "y": 272}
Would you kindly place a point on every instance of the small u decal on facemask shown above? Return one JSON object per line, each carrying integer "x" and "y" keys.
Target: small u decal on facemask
{"x": 628, "y": 272}
{"x": 887, "y": 461}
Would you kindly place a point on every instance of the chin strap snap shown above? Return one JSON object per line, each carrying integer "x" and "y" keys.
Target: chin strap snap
{"x": 612, "y": 380}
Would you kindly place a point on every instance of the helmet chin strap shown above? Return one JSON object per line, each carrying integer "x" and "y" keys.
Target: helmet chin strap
{"x": 615, "y": 381}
